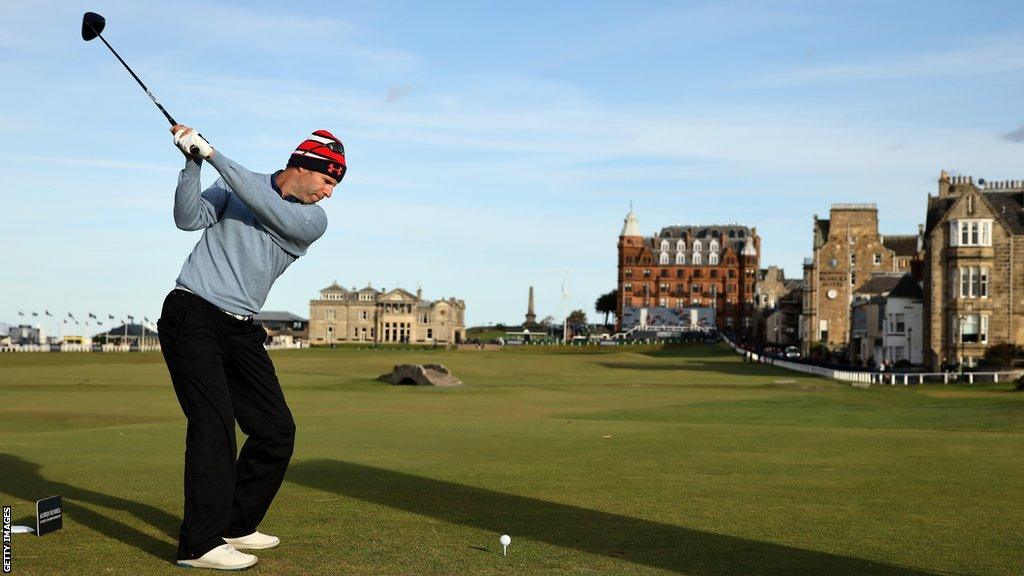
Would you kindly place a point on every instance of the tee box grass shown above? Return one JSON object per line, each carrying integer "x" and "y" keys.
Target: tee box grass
{"x": 681, "y": 460}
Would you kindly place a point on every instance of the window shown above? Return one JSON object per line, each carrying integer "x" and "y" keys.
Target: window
{"x": 680, "y": 246}
{"x": 970, "y": 233}
{"x": 663, "y": 273}
{"x": 696, "y": 258}
{"x": 878, "y": 260}
{"x": 662, "y": 302}
{"x": 714, "y": 273}
{"x": 970, "y": 328}
{"x": 973, "y": 282}
{"x": 853, "y": 278}
{"x": 430, "y": 333}
{"x": 424, "y": 318}
{"x": 899, "y": 323}
{"x": 647, "y": 272}
{"x": 628, "y": 272}
{"x": 696, "y": 246}
{"x": 330, "y": 314}
{"x": 695, "y": 289}
{"x": 853, "y": 258}
{"x": 679, "y": 273}
{"x": 680, "y": 258}
{"x": 713, "y": 258}
{"x": 664, "y": 245}
{"x": 713, "y": 246}
{"x": 664, "y": 258}
{"x": 627, "y": 287}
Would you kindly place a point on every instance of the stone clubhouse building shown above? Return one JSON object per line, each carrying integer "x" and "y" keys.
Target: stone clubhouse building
{"x": 384, "y": 316}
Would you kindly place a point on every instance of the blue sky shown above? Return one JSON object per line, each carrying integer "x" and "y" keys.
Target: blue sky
{"x": 491, "y": 146}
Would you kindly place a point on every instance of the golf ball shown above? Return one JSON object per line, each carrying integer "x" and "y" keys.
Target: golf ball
{"x": 505, "y": 540}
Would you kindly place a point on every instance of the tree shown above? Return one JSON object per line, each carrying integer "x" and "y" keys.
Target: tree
{"x": 577, "y": 319}
{"x": 547, "y": 321}
{"x": 607, "y": 303}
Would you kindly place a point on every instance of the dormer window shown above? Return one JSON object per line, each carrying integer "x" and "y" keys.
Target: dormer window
{"x": 696, "y": 246}
{"x": 664, "y": 245}
{"x": 664, "y": 257}
{"x": 713, "y": 246}
{"x": 713, "y": 258}
{"x": 680, "y": 258}
{"x": 696, "y": 257}
{"x": 970, "y": 232}
{"x": 680, "y": 246}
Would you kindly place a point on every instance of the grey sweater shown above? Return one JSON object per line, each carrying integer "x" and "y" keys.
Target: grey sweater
{"x": 251, "y": 234}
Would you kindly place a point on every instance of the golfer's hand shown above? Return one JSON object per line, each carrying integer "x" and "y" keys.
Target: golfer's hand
{"x": 191, "y": 143}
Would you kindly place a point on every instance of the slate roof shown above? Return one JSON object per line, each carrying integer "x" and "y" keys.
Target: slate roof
{"x": 907, "y": 287}
{"x": 901, "y": 245}
{"x": 880, "y": 284}
{"x": 740, "y": 235}
{"x": 1008, "y": 209}
{"x": 821, "y": 232}
{"x": 133, "y": 330}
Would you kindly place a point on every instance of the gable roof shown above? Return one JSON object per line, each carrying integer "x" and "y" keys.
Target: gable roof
{"x": 1006, "y": 207}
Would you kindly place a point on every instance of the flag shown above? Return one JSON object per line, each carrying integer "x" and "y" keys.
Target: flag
{"x": 91, "y": 315}
{"x": 110, "y": 316}
{"x": 70, "y": 315}
{"x": 34, "y": 314}
{"x": 146, "y": 319}
{"x": 130, "y": 317}
{"x": 20, "y": 313}
{"x": 47, "y": 312}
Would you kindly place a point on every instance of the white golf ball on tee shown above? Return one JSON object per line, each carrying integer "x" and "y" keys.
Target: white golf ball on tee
{"x": 505, "y": 541}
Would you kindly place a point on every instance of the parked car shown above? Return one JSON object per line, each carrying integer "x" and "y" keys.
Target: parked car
{"x": 792, "y": 352}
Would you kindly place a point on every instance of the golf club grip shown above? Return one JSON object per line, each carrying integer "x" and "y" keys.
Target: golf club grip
{"x": 195, "y": 149}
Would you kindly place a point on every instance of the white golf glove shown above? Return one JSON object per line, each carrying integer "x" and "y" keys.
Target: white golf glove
{"x": 192, "y": 143}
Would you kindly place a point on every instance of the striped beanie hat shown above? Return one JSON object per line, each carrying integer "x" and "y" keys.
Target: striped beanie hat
{"x": 321, "y": 152}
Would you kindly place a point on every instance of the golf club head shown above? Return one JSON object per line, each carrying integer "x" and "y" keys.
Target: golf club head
{"x": 92, "y": 25}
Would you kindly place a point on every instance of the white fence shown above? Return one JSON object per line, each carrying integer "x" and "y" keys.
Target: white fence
{"x": 887, "y": 378}
{"x": 32, "y": 348}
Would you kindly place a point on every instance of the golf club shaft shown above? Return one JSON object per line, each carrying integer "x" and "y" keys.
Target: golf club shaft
{"x": 130, "y": 71}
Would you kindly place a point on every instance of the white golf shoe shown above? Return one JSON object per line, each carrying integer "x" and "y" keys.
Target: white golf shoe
{"x": 221, "y": 558}
{"x": 254, "y": 541}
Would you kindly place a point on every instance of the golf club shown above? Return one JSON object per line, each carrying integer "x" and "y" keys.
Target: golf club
{"x": 92, "y": 26}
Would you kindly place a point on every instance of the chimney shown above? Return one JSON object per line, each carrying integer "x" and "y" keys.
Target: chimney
{"x": 944, "y": 184}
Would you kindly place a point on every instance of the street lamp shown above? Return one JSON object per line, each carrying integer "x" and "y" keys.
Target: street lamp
{"x": 963, "y": 318}
{"x": 910, "y": 344}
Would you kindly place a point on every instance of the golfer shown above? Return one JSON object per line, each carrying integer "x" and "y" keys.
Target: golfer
{"x": 254, "y": 226}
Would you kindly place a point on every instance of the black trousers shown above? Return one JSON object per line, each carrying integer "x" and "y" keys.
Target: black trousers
{"x": 222, "y": 374}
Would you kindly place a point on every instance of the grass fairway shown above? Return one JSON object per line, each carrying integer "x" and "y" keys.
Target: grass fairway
{"x": 683, "y": 461}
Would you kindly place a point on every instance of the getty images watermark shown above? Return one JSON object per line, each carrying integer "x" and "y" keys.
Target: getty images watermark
{"x": 7, "y": 539}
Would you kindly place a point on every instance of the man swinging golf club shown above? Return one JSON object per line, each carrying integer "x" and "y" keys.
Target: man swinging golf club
{"x": 254, "y": 226}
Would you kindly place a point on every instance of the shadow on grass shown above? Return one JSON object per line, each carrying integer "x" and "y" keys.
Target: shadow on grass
{"x": 725, "y": 367}
{"x": 21, "y": 479}
{"x": 654, "y": 544}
